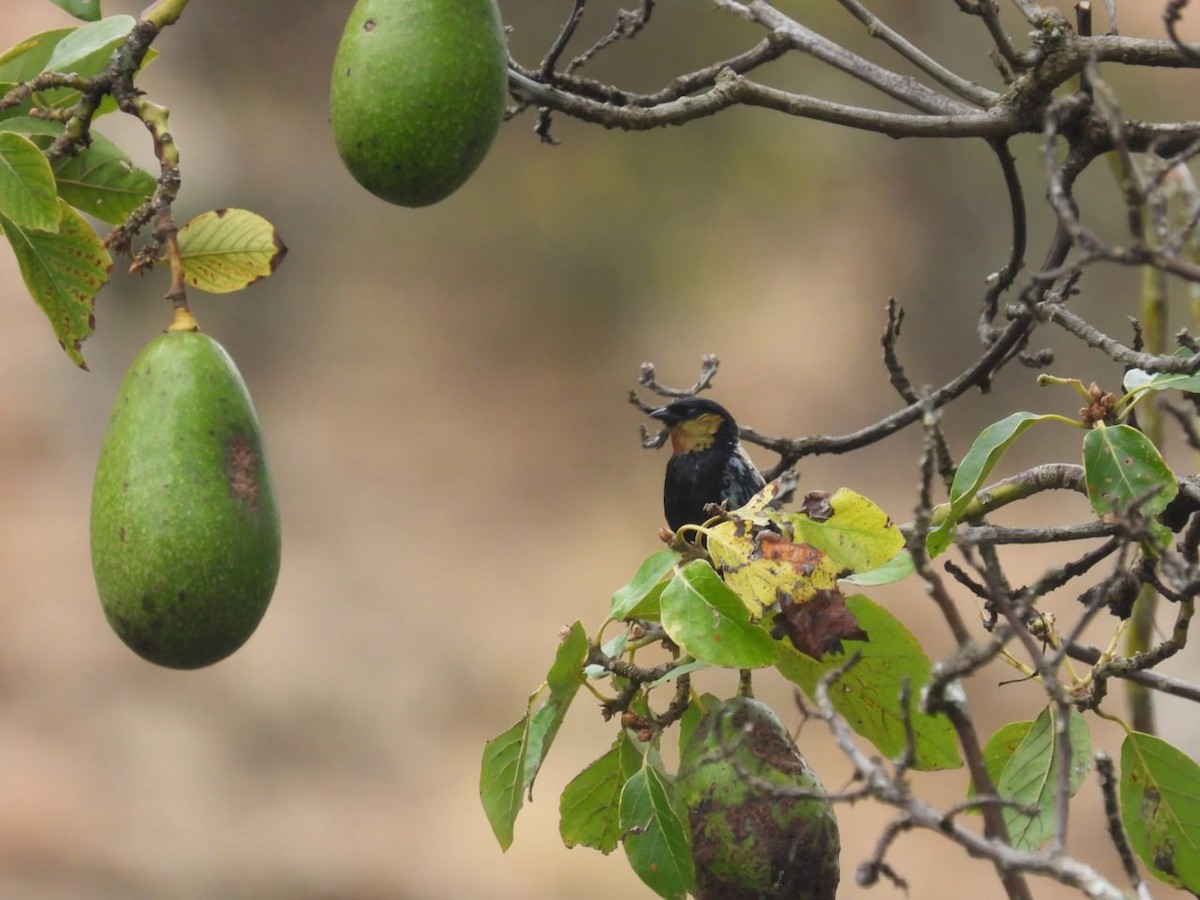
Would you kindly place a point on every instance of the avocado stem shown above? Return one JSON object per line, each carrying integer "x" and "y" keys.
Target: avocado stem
{"x": 165, "y": 229}
{"x": 183, "y": 320}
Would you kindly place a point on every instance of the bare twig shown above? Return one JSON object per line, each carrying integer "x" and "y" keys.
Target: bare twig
{"x": 1116, "y": 830}
{"x": 876, "y": 27}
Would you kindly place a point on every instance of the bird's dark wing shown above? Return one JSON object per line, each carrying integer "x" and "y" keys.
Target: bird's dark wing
{"x": 742, "y": 480}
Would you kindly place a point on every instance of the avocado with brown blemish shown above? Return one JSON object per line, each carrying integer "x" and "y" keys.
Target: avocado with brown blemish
{"x": 185, "y": 528}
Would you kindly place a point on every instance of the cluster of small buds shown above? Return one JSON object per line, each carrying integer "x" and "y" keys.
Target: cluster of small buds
{"x": 1101, "y": 407}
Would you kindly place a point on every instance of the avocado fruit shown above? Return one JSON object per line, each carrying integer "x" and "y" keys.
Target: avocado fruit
{"x": 417, "y": 95}
{"x": 184, "y": 525}
{"x": 753, "y": 835}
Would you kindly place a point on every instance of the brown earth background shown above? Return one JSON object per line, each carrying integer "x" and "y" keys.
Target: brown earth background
{"x": 443, "y": 397}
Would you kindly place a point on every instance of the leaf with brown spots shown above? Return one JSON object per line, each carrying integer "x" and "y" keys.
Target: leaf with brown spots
{"x": 63, "y": 271}
{"x": 226, "y": 250}
{"x": 794, "y": 554}
{"x": 761, "y": 566}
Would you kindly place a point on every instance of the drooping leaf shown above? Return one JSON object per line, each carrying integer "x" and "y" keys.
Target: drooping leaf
{"x": 88, "y": 49}
{"x": 511, "y": 760}
{"x": 501, "y": 781}
{"x": 100, "y": 180}
{"x": 63, "y": 272}
{"x": 986, "y": 451}
{"x": 818, "y": 625}
{"x": 656, "y": 836}
{"x": 589, "y": 808}
{"x": 652, "y": 571}
{"x": 87, "y": 10}
{"x": 708, "y": 620}
{"x": 869, "y": 695}
{"x": 1160, "y": 808}
{"x": 28, "y": 196}
{"x": 229, "y": 249}
{"x": 1029, "y": 777}
{"x": 564, "y": 680}
{"x": 1121, "y": 465}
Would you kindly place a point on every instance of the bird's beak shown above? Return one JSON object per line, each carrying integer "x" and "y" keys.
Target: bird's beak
{"x": 662, "y": 414}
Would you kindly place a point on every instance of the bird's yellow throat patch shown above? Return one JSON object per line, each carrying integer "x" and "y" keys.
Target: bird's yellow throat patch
{"x": 695, "y": 434}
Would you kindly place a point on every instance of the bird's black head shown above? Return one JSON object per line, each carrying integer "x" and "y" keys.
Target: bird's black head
{"x": 696, "y": 424}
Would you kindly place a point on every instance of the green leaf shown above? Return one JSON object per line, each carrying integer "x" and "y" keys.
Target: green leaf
{"x": 63, "y": 271}
{"x": 999, "y": 750}
{"x": 1141, "y": 380}
{"x": 651, "y": 572}
{"x": 685, "y": 669}
{"x": 857, "y": 537}
{"x": 229, "y": 249}
{"x": 30, "y": 57}
{"x": 985, "y": 453}
{"x": 23, "y": 61}
{"x": 501, "y": 782}
{"x": 895, "y": 569}
{"x": 691, "y": 717}
{"x": 656, "y": 840}
{"x": 1160, "y": 807}
{"x": 100, "y": 180}
{"x": 28, "y": 196}
{"x": 649, "y": 609}
{"x": 87, "y": 10}
{"x": 614, "y": 647}
{"x": 1122, "y": 465}
{"x": 709, "y": 621}
{"x": 868, "y": 696}
{"x": 88, "y": 49}
{"x": 1030, "y": 774}
{"x": 511, "y": 760}
{"x": 564, "y": 680}
{"x": 589, "y": 809}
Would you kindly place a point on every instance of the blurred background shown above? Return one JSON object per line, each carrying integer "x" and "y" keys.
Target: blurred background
{"x": 443, "y": 394}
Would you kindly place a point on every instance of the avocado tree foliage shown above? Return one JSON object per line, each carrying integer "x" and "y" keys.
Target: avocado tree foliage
{"x": 54, "y": 166}
{"x": 763, "y": 588}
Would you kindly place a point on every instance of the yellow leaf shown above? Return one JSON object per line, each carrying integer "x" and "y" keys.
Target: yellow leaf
{"x": 761, "y": 566}
{"x": 765, "y": 555}
{"x": 229, "y": 249}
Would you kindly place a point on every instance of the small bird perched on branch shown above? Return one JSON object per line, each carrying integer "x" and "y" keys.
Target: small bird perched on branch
{"x": 707, "y": 464}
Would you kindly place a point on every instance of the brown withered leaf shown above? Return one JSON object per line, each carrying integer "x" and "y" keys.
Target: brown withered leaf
{"x": 817, "y": 625}
{"x": 818, "y": 506}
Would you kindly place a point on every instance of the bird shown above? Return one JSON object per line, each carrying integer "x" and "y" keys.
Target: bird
{"x": 707, "y": 464}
